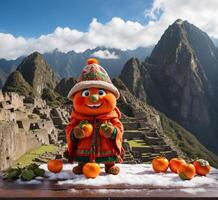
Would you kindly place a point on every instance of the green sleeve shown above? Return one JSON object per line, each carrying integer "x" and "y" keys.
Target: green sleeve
{"x": 114, "y": 134}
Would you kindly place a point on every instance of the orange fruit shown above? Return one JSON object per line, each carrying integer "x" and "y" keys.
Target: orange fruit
{"x": 160, "y": 164}
{"x": 55, "y": 166}
{"x": 202, "y": 167}
{"x": 91, "y": 170}
{"x": 186, "y": 171}
{"x": 175, "y": 163}
{"x": 88, "y": 129}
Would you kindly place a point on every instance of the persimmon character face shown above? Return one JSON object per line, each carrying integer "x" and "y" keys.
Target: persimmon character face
{"x": 94, "y": 101}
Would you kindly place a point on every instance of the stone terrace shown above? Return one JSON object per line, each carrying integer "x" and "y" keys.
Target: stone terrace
{"x": 26, "y": 123}
{"x": 143, "y": 142}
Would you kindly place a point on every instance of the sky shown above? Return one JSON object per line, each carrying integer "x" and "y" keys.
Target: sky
{"x": 45, "y": 25}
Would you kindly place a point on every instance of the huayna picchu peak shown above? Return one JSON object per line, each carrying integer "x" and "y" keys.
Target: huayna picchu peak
{"x": 180, "y": 79}
{"x": 36, "y": 73}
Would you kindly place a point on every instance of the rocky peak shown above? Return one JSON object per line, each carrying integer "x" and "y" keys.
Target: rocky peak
{"x": 179, "y": 76}
{"x": 16, "y": 83}
{"x": 172, "y": 42}
{"x": 183, "y": 42}
{"x": 179, "y": 21}
{"x": 185, "y": 71}
{"x": 131, "y": 76}
{"x": 37, "y": 73}
{"x": 179, "y": 80}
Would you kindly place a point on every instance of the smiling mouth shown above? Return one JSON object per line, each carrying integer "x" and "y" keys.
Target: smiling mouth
{"x": 95, "y": 106}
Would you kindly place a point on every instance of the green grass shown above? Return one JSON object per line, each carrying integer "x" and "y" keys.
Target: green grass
{"x": 28, "y": 157}
{"x": 137, "y": 143}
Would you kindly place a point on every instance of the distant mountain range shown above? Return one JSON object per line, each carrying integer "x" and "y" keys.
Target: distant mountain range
{"x": 71, "y": 63}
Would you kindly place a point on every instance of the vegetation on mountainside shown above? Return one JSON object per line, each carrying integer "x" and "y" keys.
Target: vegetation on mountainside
{"x": 16, "y": 83}
{"x": 186, "y": 141}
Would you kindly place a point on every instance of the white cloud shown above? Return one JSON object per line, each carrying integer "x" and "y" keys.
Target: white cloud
{"x": 118, "y": 33}
{"x": 202, "y": 13}
{"x": 105, "y": 54}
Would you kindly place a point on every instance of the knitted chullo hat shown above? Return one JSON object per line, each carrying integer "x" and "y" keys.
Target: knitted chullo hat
{"x": 93, "y": 75}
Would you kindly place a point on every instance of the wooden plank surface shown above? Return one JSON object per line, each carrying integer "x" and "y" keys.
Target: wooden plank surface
{"x": 52, "y": 190}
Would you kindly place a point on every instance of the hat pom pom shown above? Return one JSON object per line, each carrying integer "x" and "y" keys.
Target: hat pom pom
{"x": 92, "y": 61}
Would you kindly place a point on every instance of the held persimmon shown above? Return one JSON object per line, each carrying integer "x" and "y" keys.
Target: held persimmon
{"x": 175, "y": 163}
{"x": 186, "y": 171}
{"x": 160, "y": 164}
{"x": 91, "y": 170}
{"x": 202, "y": 167}
{"x": 55, "y": 166}
{"x": 87, "y": 128}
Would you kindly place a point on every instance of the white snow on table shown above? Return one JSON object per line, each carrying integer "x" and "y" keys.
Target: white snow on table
{"x": 133, "y": 175}
{"x": 31, "y": 182}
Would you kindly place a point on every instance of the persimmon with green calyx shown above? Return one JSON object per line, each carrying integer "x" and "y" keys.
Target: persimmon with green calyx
{"x": 175, "y": 163}
{"x": 106, "y": 129}
{"x": 86, "y": 127}
{"x": 91, "y": 170}
{"x": 55, "y": 166}
{"x": 202, "y": 167}
{"x": 186, "y": 171}
{"x": 160, "y": 164}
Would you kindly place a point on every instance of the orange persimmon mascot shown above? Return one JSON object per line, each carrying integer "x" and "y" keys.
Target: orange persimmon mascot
{"x": 94, "y": 102}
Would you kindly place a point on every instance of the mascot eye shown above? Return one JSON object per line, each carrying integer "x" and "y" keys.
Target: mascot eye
{"x": 85, "y": 93}
{"x": 101, "y": 92}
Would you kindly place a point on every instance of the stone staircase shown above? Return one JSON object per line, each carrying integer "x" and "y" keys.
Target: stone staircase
{"x": 143, "y": 142}
{"x": 60, "y": 121}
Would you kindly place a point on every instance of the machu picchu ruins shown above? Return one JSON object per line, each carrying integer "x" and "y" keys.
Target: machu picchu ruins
{"x": 27, "y": 123}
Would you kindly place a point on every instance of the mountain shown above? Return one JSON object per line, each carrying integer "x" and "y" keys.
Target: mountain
{"x": 6, "y": 67}
{"x": 37, "y": 73}
{"x": 71, "y": 63}
{"x": 131, "y": 77}
{"x": 64, "y": 86}
{"x": 180, "y": 79}
{"x": 33, "y": 75}
{"x": 16, "y": 83}
{"x": 3, "y": 77}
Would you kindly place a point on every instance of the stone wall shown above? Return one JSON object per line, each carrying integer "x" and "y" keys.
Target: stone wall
{"x": 14, "y": 143}
{"x": 25, "y": 123}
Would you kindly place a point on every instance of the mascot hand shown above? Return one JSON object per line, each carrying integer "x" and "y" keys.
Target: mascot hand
{"x": 86, "y": 127}
{"x": 78, "y": 132}
{"x": 106, "y": 129}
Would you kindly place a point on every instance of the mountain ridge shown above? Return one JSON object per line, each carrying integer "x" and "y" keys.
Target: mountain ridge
{"x": 180, "y": 84}
{"x": 32, "y": 76}
{"x": 70, "y": 64}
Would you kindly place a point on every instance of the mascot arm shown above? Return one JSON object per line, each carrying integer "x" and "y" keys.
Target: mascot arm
{"x": 118, "y": 133}
{"x": 69, "y": 128}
